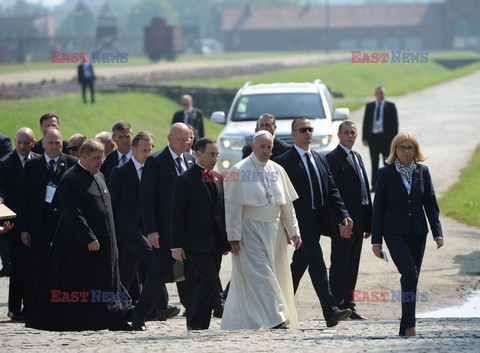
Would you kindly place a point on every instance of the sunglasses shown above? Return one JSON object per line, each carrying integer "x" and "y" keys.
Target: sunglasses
{"x": 73, "y": 148}
{"x": 303, "y": 130}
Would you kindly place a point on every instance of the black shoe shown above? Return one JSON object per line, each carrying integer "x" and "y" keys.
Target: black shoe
{"x": 282, "y": 326}
{"x": 138, "y": 321}
{"x": 16, "y": 317}
{"x": 218, "y": 312}
{"x": 337, "y": 316}
{"x": 357, "y": 316}
{"x": 5, "y": 271}
{"x": 167, "y": 313}
{"x": 124, "y": 326}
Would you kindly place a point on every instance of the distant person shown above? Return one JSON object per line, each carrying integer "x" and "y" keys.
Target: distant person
{"x": 86, "y": 77}
{"x": 74, "y": 144}
{"x": 83, "y": 257}
{"x": 190, "y": 115}
{"x": 122, "y": 134}
{"x": 269, "y": 123}
{"x": 380, "y": 125}
{"x": 351, "y": 179}
{"x": 5, "y": 145}
{"x": 49, "y": 120}
{"x": 404, "y": 194}
{"x": 11, "y": 175}
{"x": 105, "y": 137}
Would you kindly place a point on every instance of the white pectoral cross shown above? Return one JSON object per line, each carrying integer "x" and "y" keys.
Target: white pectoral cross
{"x": 269, "y": 196}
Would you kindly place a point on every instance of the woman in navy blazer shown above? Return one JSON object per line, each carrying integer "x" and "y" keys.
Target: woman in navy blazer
{"x": 403, "y": 196}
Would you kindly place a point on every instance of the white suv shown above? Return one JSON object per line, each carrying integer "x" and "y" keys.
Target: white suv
{"x": 285, "y": 101}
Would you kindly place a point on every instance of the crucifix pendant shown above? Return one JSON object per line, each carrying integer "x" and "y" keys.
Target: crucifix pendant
{"x": 269, "y": 197}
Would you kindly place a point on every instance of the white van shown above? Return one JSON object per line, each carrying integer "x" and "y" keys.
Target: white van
{"x": 285, "y": 101}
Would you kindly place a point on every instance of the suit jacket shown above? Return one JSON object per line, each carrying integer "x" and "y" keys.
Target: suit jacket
{"x": 38, "y": 148}
{"x": 110, "y": 162}
{"x": 293, "y": 165}
{"x": 390, "y": 121}
{"x": 156, "y": 191}
{"x": 11, "y": 175}
{"x": 197, "y": 221}
{"x": 32, "y": 196}
{"x": 81, "y": 76}
{"x": 124, "y": 187}
{"x": 179, "y": 117}
{"x": 5, "y": 145}
{"x": 279, "y": 148}
{"x": 397, "y": 212}
{"x": 348, "y": 183}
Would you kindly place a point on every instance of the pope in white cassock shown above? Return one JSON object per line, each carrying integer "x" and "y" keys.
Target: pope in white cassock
{"x": 259, "y": 209}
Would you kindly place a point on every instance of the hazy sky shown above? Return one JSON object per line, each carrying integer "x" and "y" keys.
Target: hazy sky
{"x": 47, "y": 2}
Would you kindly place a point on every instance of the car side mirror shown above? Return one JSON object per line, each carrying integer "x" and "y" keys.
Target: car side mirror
{"x": 218, "y": 117}
{"x": 341, "y": 114}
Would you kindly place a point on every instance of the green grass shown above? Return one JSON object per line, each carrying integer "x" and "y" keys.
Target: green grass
{"x": 144, "y": 111}
{"x": 462, "y": 201}
{"x": 354, "y": 80}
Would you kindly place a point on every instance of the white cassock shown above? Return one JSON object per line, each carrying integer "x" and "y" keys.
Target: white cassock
{"x": 257, "y": 215}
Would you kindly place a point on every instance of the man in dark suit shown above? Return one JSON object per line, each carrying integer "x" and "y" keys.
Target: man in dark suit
{"x": 122, "y": 134}
{"x": 5, "y": 145}
{"x": 124, "y": 187}
{"x": 39, "y": 215}
{"x": 5, "y": 148}
{"x": 86, "y": 77}
{"x": 49, "y": 120}
{"x": 268, "y": 122}
{"x": 198, "y": 229}
{"x": 156, "y": 189}
{"x": 11, "y": 174}
{"x": 380, "y": 125}
{"x": 308, "y": 170}
{"x": 351, "y": 180}
{"x": 190, "y": 115}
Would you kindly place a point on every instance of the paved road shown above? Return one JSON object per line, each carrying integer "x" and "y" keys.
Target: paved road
{"x": 446, "y": 120}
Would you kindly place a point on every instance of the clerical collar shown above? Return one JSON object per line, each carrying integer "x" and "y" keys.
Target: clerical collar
{"x": 81, "y": 165}
{"x": 301, "y": 151}
{"x": 47, "y": 158}
{"x": 201, "y": 166}
{"x": 136, "y": 163}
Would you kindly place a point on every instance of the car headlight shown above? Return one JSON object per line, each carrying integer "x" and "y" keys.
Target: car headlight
{"x": 232, "y": 143}
{"x": 320, "y": 141}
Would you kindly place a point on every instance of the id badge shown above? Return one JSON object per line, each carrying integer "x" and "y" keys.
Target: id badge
{"x": 50, "y": 192}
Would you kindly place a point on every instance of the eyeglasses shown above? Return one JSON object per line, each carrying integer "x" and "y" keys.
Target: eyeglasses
{"x": 303, "y": 130}
{"x": 406, "y": 148}
{"x": 187, "y": 140}
{"x": 73, "y": 148}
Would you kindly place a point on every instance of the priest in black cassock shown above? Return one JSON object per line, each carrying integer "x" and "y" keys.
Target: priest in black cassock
{"x": 81, "y": 288}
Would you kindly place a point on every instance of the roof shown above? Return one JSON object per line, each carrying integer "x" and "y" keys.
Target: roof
{"x": 348, "y": 16}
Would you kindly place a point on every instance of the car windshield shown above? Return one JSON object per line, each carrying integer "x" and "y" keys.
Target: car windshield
{"x": 280, "y": 105}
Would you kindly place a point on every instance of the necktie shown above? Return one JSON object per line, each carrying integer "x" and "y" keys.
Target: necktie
{"x": 362, "y": 181}
{"x": 123, "y": 159}
{"x": 51, "y": 169}
{"x": 24, "y": 160}
{"x": 377, "y": 112}
{"x": 178, "y": 161}
{"x": 317, "y": 191}
{"x": 140, "y": 173}
{"x": 190, "y": 118}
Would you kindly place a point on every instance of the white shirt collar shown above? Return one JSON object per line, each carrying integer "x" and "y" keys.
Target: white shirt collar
{"x": 345, "y": 149}
{"x": 174, "y": 155}
{"x": 136, "y": 163}
{"x": 301, "y": 151}
{"x": 128, "y": 154}
{"x": 47, "y": 158}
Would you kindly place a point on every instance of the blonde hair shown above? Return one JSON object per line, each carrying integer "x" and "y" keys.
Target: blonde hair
{"x": 401, "y": 137}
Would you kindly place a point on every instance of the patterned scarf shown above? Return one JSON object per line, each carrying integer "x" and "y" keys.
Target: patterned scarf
{"x": 406, "y": 170}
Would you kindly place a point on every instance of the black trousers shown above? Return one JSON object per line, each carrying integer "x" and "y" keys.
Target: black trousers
{"x": 17, "y": 286}
{"x": 378, "y": 145}
{"x": 310, "y": 255}
{"x": 134, "y": 252}
{"x": 5, "y": 254}
{"x": 89, "y": 84}
{"x": 205, "y": 268}
{"x": 344, "y": 264}
{"x": 407, "y": 254}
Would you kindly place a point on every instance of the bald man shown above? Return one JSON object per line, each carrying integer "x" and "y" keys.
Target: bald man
{"x": 74, "y": 144}
{"x": 11, "y": 174}
{"x": 156, "y": 191}
{"x": 38, "y": 217}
